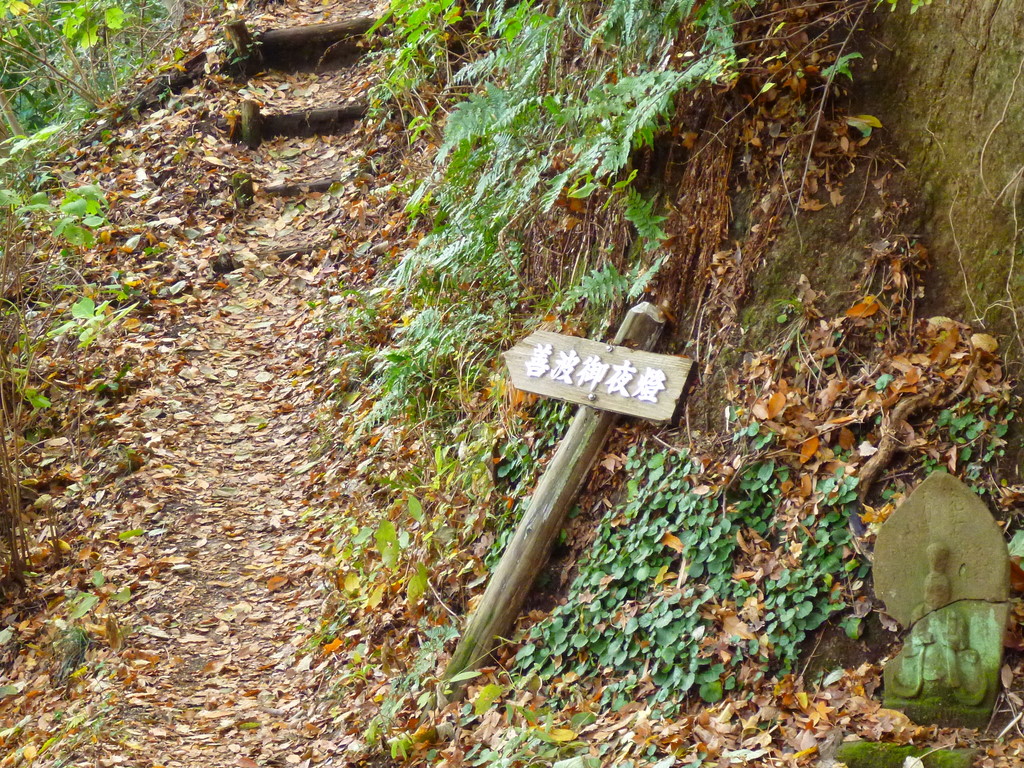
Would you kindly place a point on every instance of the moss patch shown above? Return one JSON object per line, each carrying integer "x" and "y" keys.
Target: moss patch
{"x": 867, "y": 754}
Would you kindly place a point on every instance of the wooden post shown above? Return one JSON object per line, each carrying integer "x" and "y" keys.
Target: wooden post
{"x": 248, "y": 57}
{"x": 252, "y": 124}
{"x": 531, "y": 544}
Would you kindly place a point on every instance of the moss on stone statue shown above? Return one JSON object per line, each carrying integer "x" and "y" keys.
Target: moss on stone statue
{"x": 941, "y": 710}
{"x": 868, "y": 754}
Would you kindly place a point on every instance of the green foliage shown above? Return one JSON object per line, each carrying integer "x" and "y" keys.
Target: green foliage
{"x": 977, "y": 429}
{"x": 439, "y": 355}
{"x": 537, "y": 742}
{"x": 423, "y": 29}
{"x": 63, "y": 59}
{"x": 71, "y": 218}
{"x": 662, "y": 586}
{"x": 525, "y": 141}
{"x": 640, "y": 213}
{"x": 841, "y": 66}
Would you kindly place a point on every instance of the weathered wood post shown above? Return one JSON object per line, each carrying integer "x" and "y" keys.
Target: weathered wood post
{"x": 248, "y": 57}
{"x": 252, "y": 124}
{"x": 531, "y": 543}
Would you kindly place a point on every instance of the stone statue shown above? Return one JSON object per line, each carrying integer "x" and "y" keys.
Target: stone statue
{"x": 942, "y": 568}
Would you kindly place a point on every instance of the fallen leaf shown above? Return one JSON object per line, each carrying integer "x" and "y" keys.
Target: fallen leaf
{"x": 1016, "y": 575}
{"x": 733, "y": 626}
{"x": 866, "y": 449}
{"x": 808, "y": 449}
{"x": 672, "y": 541}
{"x": 866, "y": 307}
{"x": 276, "y": 582}
{"x": 776, "y": 404}
{"x": 984, "y": 342}
{"x": 561, "y": 735}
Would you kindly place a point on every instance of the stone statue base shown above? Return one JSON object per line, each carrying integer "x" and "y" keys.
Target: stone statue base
{"x": 948, "y": 670}
{"x": 866, "y": 754}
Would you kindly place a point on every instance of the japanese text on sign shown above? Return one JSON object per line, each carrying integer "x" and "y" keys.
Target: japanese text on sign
{"x": 603, "y": 376}
{"x": 593, "y": 371}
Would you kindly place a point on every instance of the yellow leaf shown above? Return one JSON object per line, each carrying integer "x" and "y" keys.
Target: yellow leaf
{"x": 672, "y": 541}
{"x": 984, "y": 342}
{"x": 805, "y": 752}
{"x": 375, "y": 597}
{"x": 871, "y": 120}
{"x": 30, "y": 752}
{"x": 352, "y": 582}
{"x": 661, "y": 574}
{"x": 561, "y": 734}
{"x": 801, "y": 696}
{"x": 486, "y": 697}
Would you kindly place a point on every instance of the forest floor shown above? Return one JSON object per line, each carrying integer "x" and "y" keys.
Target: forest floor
{"x": 177, "y": 631}
{"x": 189, "y": 483}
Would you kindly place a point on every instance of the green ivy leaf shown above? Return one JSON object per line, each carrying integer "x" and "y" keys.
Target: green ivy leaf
{"x": 486, "y": 698}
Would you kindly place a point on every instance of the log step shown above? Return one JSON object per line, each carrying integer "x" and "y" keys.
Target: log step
{"x": 316, "y": 46}
{"x": 254, "y": 126}
{"x": 292, "y": 188}
{"x": 310, "y": 45}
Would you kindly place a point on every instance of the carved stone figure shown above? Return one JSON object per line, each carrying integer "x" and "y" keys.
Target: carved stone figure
{"x": 942, "y": 568}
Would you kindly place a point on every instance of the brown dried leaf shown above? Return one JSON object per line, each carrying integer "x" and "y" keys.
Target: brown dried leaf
{"x": 808, "y": 449}
{"x": 866, "y": 307}
{"x": 776, "y": 404}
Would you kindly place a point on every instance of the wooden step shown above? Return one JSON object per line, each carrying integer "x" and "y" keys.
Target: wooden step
{"x": 292, "y": 188}
{"x": 309, "y": 46}
{"x": 254, "y": 126}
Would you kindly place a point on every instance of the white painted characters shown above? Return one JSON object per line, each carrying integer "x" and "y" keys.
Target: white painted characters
{"x": 591, "y": 372}
{"x": 650, "y": 383}
{"x": 621, "y": 376}
{"x": 565, "y": 364}
{"x": 537, "y": 364}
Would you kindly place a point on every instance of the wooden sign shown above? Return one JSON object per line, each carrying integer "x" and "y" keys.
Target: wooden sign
{"x": 603, "y": 376}
{"x": 613, "y": 379}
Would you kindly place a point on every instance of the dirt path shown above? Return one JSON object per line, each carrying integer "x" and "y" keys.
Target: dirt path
{"x": 201, "y": 574}
{"x": 215, "y": 674}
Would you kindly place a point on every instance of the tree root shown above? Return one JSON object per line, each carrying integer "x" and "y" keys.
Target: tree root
{"x": 889, "y": 444}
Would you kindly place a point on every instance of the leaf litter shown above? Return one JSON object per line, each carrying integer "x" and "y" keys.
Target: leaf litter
{"x": 175, "y": 618}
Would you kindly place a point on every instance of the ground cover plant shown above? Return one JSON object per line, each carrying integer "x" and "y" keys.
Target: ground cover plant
{"x": 702, "y": 562}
